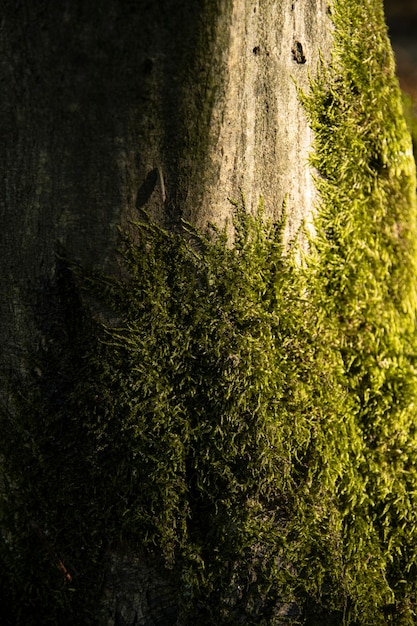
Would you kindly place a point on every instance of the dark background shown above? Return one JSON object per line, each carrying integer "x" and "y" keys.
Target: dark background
{"x": 402, "y": 23}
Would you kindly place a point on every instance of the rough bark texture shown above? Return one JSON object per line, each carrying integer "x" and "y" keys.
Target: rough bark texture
{"x": 171, "y": 106}
{"x": 137, "y": 591}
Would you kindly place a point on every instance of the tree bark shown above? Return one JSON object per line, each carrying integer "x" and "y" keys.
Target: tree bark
{"x": 170, "y": 106}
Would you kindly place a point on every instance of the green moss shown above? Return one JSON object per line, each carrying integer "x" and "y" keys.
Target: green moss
{"x": 364, "y": 266}
{"x": 199, "y": 415}
{"x": 248, "y": 418}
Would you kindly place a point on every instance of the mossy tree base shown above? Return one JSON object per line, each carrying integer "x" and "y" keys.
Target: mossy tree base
{"x": 245, "y": 419}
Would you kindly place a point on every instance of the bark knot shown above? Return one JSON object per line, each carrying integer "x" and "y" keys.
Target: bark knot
{"x": 298, "y": 53}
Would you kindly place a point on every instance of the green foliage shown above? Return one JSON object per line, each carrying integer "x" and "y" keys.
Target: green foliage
{"x": 249, "y": 418}
{"x": 220, "y": 414}
{"x": 195, "y": 426}
{"x": 364, "y": 264}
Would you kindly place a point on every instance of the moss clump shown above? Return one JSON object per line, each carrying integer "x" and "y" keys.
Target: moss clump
{"x": 248, "y": 418}
{"x": 201, "y": 416}
{"x": 364, "y": 265}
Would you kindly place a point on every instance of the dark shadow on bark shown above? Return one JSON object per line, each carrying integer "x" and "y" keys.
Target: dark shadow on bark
{"x": 58, "y": 529}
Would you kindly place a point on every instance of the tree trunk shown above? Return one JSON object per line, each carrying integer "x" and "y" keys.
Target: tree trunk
{"x": 111, "y": 107}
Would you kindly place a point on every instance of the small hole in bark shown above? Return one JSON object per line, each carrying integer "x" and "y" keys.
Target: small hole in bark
{"x": 147, "y": 66}
{"x": 257, "y": 50}
{"x": 298, "y": 53}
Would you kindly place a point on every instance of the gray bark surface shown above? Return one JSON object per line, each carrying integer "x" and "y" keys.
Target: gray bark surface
{"x": 111, "y": 107}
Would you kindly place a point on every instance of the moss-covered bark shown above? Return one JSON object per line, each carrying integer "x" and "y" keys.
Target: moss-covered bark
{"x": 111, "y": 107}
{"x": 171, "y": 106}
{"x": 215, "y": 425}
